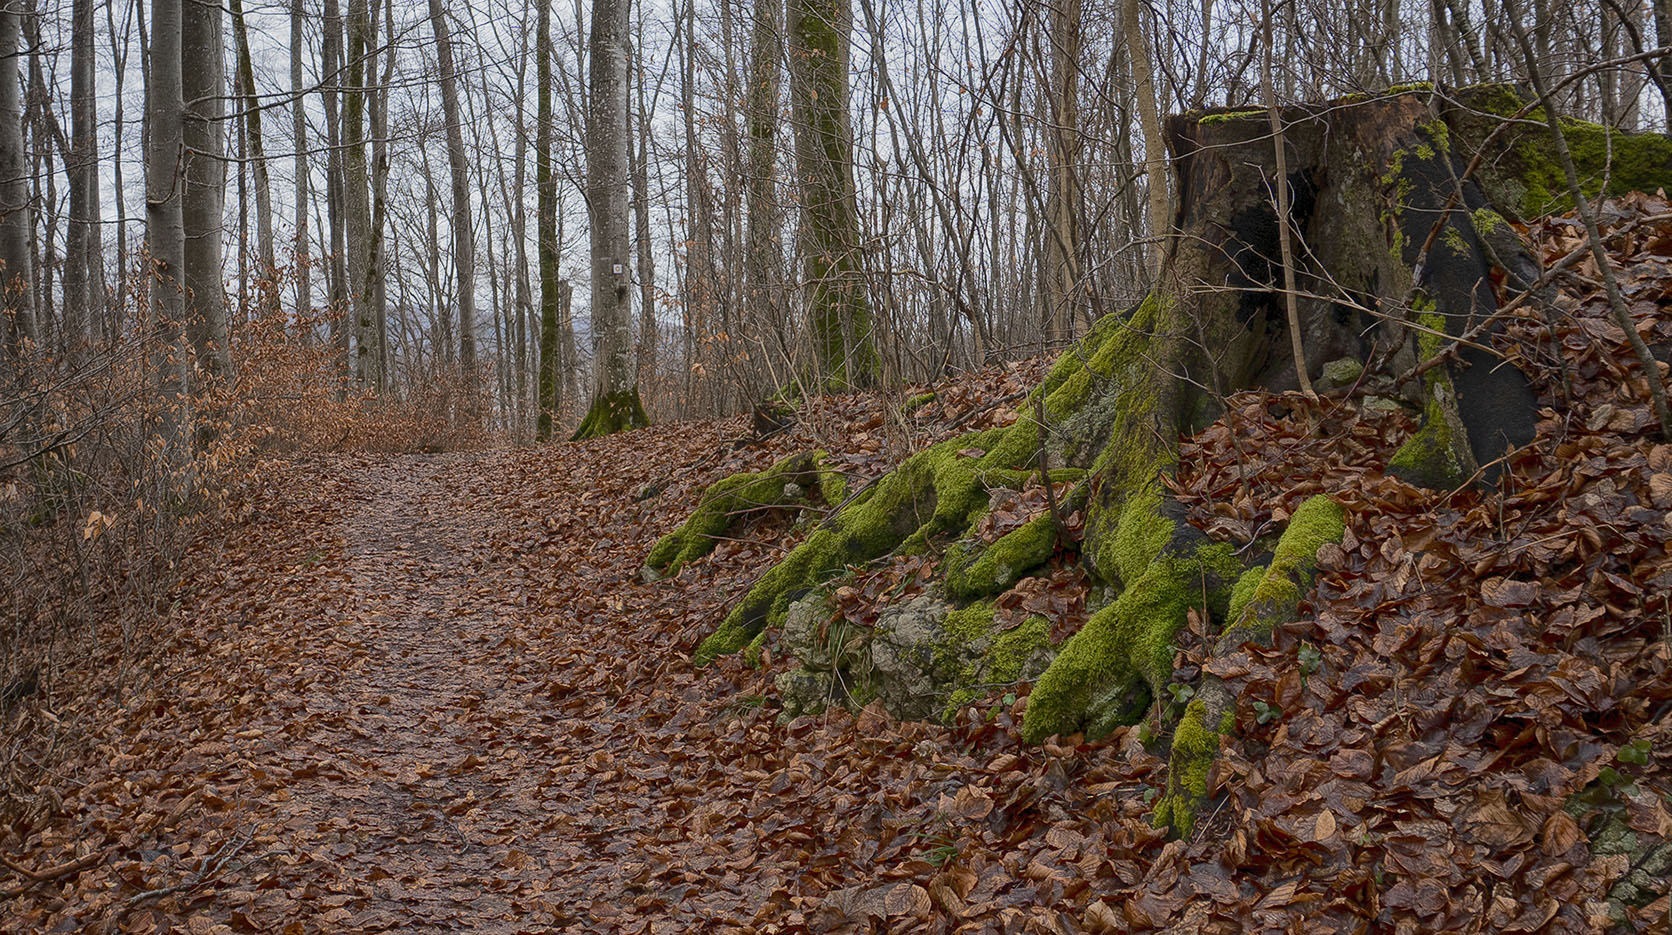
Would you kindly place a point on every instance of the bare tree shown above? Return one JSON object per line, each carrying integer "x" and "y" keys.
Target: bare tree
{"x": 165, "y": 234}
{"x": 834, "y": 291}
{"x": 615, "y": 402}
{"x": 84, "y": 286}
{"x": 299, "y": 131}
{"x": 16, "y": 217}
{"x": 203, "y": 94}
{"x": 464, "y": 238}
{"x": 545, "y": 183}
{"x": 258, "y": 160}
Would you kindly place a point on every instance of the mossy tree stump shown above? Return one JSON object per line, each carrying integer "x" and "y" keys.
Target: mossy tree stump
{"x": 1370, "y": 180}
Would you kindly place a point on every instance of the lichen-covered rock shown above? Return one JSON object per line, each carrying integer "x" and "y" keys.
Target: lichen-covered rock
{"x": 804, "y": 692}
{"x": 910, "y": 663}
{"x": 923, "y": 658}
{"x": 1343, "y": 371}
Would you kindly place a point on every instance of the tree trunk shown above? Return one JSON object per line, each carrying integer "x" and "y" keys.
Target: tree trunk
{"x": 641, "y": 238}
{"x": 762, "y": 255}
{"x": 331, "y": 65}
{"x": 1160, "y": 215}
{"x": 615, "y": 403}
{"x": 833, "y": 288}
{"x": 17, "y": 223}
{"x": 377, "y": 280}
{"x": 84, "y": 286}
{"x": 299, "y": 130}
{"x": 464, "y": 237}
{"x": 1663, "y": 65}
{"x": 356, "y": 191}
{"x": 1061, "y": 296}
{"x": 545, "y": 185}
{"x": 1363, "y": 175}
{"x": 699, "y": 282}
{"x": 165, "y": 235}
{"x": 268, "y": 273}
{"x": 203, "y": 90}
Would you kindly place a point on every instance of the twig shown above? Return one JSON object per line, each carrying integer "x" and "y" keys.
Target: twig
{"x": 988, "y": 407}
{"x": 37, "y": 877}
{"x": 207, "y": 873}
{"x": 1651, "y": 366}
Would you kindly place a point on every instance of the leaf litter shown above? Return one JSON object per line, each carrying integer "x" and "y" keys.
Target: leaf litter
{"x": 429, "y": 694}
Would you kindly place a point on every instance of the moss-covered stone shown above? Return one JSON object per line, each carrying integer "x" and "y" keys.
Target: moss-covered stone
{"x": 1273, "y": 599}
{"x": 990, "y": 658}
{"x": 1525, "y": 176}
{"x": 1243, "y": 591}
{"x": 935, "y": 491}
{"x": 915, "y": 403}
{"x": 1341, "y": 372}
{"x": 731, "y": 497}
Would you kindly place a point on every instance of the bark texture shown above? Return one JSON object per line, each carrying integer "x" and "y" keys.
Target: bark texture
{"x": 615, "y": 404}
{"x": 834, "y": 287}
{"x": 16, "y": 217}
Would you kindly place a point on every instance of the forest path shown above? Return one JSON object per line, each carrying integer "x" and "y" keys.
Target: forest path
{"x": 432, "y": 694}
{"x": 450, "y": 777}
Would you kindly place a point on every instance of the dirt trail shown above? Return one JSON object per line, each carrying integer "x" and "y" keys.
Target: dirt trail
{"x": 395, "y": 742}
{"x": 487, "y": 723}
{"x": 431, "y": 787}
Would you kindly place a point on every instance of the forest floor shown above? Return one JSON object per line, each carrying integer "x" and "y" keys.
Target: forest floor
{"x": 433, "y": 693}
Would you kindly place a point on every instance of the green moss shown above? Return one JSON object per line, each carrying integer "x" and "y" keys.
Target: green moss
{"x": 1243, "y": 591}
{"x": 1429, "y": 458}
{"x": 1624, "y": 161}
{"x": 1195, "y": 748}
{"x": 740, "y": 493}
{"x": 1276, "y": 595}
{"x": 1006, "y": 660}
{"x": 1128, "y": 642}
{"x": 611, "y": 413}
{"x": 752, "y": 652}
{"x": 916, "y": 402}
{"x": 973, "y": 571}
{"x": 1209, "y": 120}
{"x": 1140, "y": 536}
{"x": 970, "y": 623}
{"x": 936, "y": 490}
{"x": 1488, "y": 221}
{"x": 1410, "y": 87}
{"x": 1454, "y": 240}
{"x": 833, "y": 487}
{"x": 1433, "y": 333}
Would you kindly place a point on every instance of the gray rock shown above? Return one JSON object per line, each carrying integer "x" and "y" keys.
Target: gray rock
{"x": 1341, "y": 372}
{"x": 802, "y": 623}
{"x": 804, "y": 692}
{"x": 909, "y": 656}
